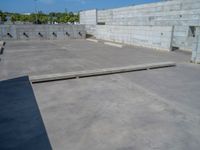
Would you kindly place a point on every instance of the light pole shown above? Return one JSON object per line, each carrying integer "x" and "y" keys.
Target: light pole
{"x": 36, "y": 17}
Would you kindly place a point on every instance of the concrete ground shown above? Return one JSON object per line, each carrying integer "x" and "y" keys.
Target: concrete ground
{"x": 153, "y": 110}
{"x": 44, "y": 57}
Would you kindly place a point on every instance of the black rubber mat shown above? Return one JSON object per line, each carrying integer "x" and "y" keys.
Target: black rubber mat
{"x": 21, "y": 125}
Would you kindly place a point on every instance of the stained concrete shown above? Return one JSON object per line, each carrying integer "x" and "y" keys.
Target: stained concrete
{"x": 47, "y": 57}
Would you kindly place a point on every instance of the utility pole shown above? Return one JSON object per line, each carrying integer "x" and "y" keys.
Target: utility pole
{"x": 36, "y": 17}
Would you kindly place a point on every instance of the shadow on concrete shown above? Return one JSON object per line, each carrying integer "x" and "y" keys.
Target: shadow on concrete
{"x": 21, "y": 125}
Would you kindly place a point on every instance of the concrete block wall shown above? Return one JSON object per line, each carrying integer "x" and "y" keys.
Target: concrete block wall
{"x": 41, "y": 32}
{"x": 182, "y": 39}
{"x": 88, "y": 17}
{"x": 158, "y": 37}
{"x": 91, "y": 29}
{"x": 178, "y": 13}
{"x": 104, "y": 15}
{"x": 170, "y": 13}
{"x": 196, "y": 48}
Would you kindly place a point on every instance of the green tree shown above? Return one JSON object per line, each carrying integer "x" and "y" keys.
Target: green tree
{"x": 3, "y": 16}
{"x": 42, "y": 18}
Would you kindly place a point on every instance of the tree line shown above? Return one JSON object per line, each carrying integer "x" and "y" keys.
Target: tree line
{"x": 40, "y": 17}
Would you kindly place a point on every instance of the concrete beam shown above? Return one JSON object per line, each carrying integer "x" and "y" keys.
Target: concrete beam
{"x": 98, "y": 72}
{"x": 113, "y": 44}
{"x": 2, "y": 43}
{"x": 92, "y": 40}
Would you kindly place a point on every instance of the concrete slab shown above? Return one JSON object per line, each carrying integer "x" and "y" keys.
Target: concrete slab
{"x": 50, "y": 57}
{"x": 141, "y": 110}
{"x": 178, "y": 85}
{"x": 20, "y": 120}
{"x": 114, "y": 112}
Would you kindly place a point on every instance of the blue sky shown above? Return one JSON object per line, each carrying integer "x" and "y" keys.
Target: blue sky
{"x": 26, "y": 6}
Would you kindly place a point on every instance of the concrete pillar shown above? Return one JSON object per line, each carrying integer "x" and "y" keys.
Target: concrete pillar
{"x": 196, "y": 47}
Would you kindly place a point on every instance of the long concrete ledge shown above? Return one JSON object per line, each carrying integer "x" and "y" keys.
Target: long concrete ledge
{"x": 113, "y": 44}
{"x": 92, "y": 40}
{"x": 2, "y": 43}
{"x": 98, "y": 72}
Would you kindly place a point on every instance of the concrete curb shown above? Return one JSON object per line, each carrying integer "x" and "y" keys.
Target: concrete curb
{"x": 113, "y": 44}
{"x": 92, "y": 40}
{"x": 2, "y": 43}
{"x": 98, "y": 72}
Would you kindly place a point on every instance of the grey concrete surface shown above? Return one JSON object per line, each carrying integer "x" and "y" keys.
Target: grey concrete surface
{"x": 157, "y": 109}
{"x": 178, "y": 85}
{"x": 47, "y": 57}
{"x": 21, "y": 125}
{"x": 154, "y": 109}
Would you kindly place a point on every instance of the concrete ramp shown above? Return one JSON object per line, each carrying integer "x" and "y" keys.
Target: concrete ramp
{"x": 98, "y": 72}
{"x": 21, "y": 123}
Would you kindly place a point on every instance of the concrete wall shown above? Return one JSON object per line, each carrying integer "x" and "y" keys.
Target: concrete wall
{"x": 182, "y": 39}
{"x": 196, "y": 48}
{"x": 41, "y": 32}
{"x": 91, "y": 29}
{"x": 163, "y": 13}
{"x": 178, "y": 13}
{"x": 157, "y": 37}
{"x": 104, "y": 16}
{"x": 88, "y": 17}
